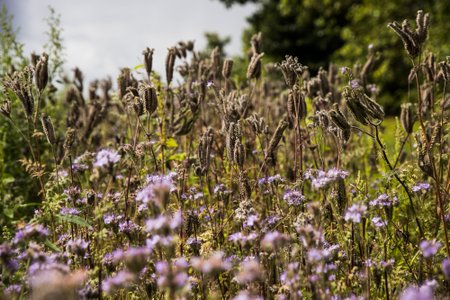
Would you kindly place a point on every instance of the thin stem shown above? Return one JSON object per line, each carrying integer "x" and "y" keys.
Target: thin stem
{"x": 402, "y": 183}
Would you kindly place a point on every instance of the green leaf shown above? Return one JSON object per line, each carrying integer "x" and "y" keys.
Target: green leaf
{"x": 138, "y": 67}
{"x": 74, "y": 220}
{"x": 171, "y": 143}
{"x": 52, "y": 246}
{"x": 178, "y": 157}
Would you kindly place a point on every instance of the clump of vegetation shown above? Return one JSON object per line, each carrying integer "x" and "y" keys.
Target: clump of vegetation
{"x": 280, "y": 186}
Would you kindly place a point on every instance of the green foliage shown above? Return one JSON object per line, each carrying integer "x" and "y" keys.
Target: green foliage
{"x": 318, "y": 32}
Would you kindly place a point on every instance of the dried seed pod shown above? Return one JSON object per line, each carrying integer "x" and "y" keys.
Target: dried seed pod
{"x": 338, "y": 118}
{"x": 148, "y": 60}
{"x": 215, "y": 60}
{"x": 170, "y": 64}
{"x": 21, "y": 84}
{"x": 149, "y": 97}
{"x": 407, "y": 117}
{"x": 230, "y": 140}
{"x": 296, "y": 104}
{"x": 256, "y": 43}
{"x": 422, "y": 23}
{"x": 49, "y": 131}
{"x": 123, "y": 82}
{"x": 41, "y": 72}
{"x": 408, "y": 40}
{"x": 227, "y": 67}
{"x": 244, "y": 185}
{"x": 5, "y": 109}
{"x": 341, "y": 195}
{"x": 276, "y": 138}
{"x": 291, "y": 69}
{"x": 239, "y": 153}
{"x": 254, "y": 68}
{"x": 444, "y": 72}
{"x": 204, "y": 151}
{"x": 69, "y": 139}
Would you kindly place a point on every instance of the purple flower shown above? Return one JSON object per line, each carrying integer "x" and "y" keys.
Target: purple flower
{"x": 135, "y": 259}
{"x": 321, "y": 179}
{"x": 78, "y": 247}
{"x": 383, "y": 200}
{"x": 250, "y": 271}
{"x": 446, "y": 268}
{"x": 274, "y": 240}
{"x": 213, "y": 264}
{"x": 354, "y": 83}
{"x": 106, "y": 157}
{"x": 128, "y": 227}
{"x": 69, "y": 211}
{"x": 293, "y": 197}
{"x": 378, "y": 222}
{"x": 429, "y": 248}
{"x": 355, "y": 213}
{"x": 424, "y": 292}
{"x": 31, "y": 231}
{"x": 157, "y": 185}
{"x": 421, "y": 187}
{"x": 121, "y": 280}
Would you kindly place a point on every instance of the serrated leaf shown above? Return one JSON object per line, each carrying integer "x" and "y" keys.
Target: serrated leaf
{"x": 74, "y": 220}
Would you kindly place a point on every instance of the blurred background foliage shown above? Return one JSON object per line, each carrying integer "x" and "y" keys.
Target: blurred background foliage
{"x": 320, "y": 31}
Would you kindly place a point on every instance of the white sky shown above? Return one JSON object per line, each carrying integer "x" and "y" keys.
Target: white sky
{"x": 100, "y": 36}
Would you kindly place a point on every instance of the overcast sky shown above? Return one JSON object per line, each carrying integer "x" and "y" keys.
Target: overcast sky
{"x": 100, "y": 36}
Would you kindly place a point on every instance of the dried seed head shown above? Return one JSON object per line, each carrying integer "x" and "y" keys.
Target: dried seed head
{"x": 276, "y": 138}
{"x": 41, "y": 73}
{"x": 408, "y": 41}
{"x": 123, "y": 82}
{"x": 170, "y": 64}
{"x": 254, "y": 68}
{"x": 215, "y": 60}
{"x": 256, "y": 43}
{"x": 227, "y": 67}
{"x": 422, "y": 23}
{"x": 5, "y": 109}
{"x": 363, "y": 108}
{"x": 244, "y": 185}
{"x": 296, "y": 104}
{"x": 338, "y": 118}
{"x": 148, "y": 60}
{"x": 49, "y": 131}
{"x": 291, "y": 69}
{"x": 407, "y": 117}
{"x": 149, "y": 98}
{"x": 69, "y": 139}
{"x": 239, "y": 153}
{"x": 20, "y": 83}
{"x": 444, "y": 72}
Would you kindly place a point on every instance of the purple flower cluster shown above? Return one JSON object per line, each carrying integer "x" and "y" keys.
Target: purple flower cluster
{"x": 321, "y": 179}
{"x": 429, "y": 248}
{"x": 421, "y": 187}
{"x": 384, "y": 200}
{"x": 106, "y": 157}
{"x": 293, "y": 197}
{"x": 157, "y": 185}
{"x": 355, "y": 213}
